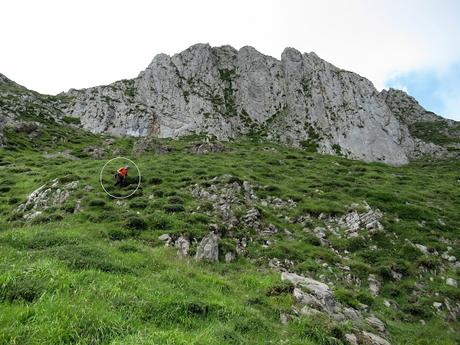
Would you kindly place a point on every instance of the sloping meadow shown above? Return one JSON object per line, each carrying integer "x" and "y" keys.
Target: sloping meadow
{"x": 86, "y": 268}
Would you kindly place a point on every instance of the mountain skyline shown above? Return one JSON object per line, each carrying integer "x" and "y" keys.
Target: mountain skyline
{"x": 410, "y": 45}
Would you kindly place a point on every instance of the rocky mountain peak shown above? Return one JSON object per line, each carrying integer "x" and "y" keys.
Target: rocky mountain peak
{"x": 300, "y": 100}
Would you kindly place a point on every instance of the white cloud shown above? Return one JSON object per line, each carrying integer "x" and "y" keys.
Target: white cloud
{"x": 53, "y": 45}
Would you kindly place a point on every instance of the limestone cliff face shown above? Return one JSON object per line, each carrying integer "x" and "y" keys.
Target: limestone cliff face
{"x": 224, "y": 92}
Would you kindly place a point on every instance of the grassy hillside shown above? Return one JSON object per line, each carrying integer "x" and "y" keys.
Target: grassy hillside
{"x": 92, "y": 270}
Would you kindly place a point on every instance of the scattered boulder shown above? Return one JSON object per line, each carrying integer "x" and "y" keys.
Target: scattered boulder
{"x": 451, "y": 282}
{"x": 208, "y": 249}
{"x": 316, "y": 297}
{"x": 77, "y": 207}
{"x": 183, "y": 245}
{"x": 422, "y": 248}
{"x": 351, "y": 339}
{"x": 31, "y": 129}
{"x": 52, "y": 194}
{"x": 166, "y": 238}
{"x": 373, "y": 339}
{"x": 234, "y": 201}
{"x": 354, "y": 220}
{"x": 319, "y": 295}
{"x": 437, "y": 306}
{"x": 376, "y": 323}
{"x": 281, "y": 265}
{"x": 284, "y": 318}
{"x": 374, "y": 285}
{"x": 252, "y": 218}
{"x": 229, "y": 257}
{"x": 241, "y": 246}
{"x": 269, "y": 230}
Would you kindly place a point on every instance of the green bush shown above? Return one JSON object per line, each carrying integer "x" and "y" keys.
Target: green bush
{"x": 155, "y": 180}
{"x": 4, "y": 189}
{"x": 22, "y": 287}
{"x": 96, "y": 202}
{"x": 173, "y": 208}
{"x": 159, "y": 221}
{"x": 118, "y": 234}
{"x": 175, "y": 200}
{"x": 356, "y": 243}
{"x": 88, "y": 257}
{"x": 347, "y": 297}
{"x": 158, "y": 193}
{"x": 135, "y": 223}
{"x": 139, "y": 204}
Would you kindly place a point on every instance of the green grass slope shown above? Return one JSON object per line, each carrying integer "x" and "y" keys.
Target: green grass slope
{"x": 102, "y": 276}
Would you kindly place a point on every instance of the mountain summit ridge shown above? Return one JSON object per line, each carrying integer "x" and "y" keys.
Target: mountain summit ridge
{"x": 299, "y": 100}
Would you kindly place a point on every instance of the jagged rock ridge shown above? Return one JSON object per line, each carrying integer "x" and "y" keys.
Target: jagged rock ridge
{"x": 300, "y": 100}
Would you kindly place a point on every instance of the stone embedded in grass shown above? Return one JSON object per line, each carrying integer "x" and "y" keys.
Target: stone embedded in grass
{"x": 229, "y": 257}
{"x": 374, "y": 284}
{"x": 183, "y": 245}
{"x": 208, "y": 249}
{"x": 373, "y": 339}
{"x": 52, "y": 194}
{"x": 451, "y": 282}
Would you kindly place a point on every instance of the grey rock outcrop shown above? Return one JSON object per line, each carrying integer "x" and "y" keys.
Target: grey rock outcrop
{"x": 208, "y": 249}
{"x": 374, "y": 285}
{"x": 51, "y": 194}
{"x": 374, "y": 339}
{"x": 355, "y": 220}
{"x": 319, "y": 295}
{"x": 316, "y": 297}
{"x": 223, "y": 92}
{"x": 183, "y": 245}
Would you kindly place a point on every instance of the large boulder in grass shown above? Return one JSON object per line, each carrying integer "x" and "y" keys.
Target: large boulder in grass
{"x": 311, "y": 292}
{"x": 208, "y": 249}
{"x": 52, "y": 194}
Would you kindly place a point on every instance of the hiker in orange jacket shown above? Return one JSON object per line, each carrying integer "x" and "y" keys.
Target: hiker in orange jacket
{"x": 120, "y": 176}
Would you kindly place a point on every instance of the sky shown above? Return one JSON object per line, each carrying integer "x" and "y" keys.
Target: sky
{"x": 52, "y": 45}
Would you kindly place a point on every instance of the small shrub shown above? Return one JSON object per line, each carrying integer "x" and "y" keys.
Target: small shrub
{"x": 97, "y": 203}
{"x": 198, "y": 218}
{"x": 127, "y": 248}
{"x": 155, "y": 180}
{"x": 175, "y": 200}
{"x": 118, "y": 234}
{"x": 284, "y": 287}
{"x": 347, "y": 297}
{"x": 158, "y": 193}
{"x": 365, "y": 298}
{"x": 138, "y": 204}
{"x": 356, "y": 243}
{"x": 23, "y": 287}
{"x": 88, "y": 257}
{"x": 159, "y": 221}
{"x": 13, "y": 201}
{"x": 4, "y": 189}
{"x": 135, "y": 223}
{"x": 173, "y": 208}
